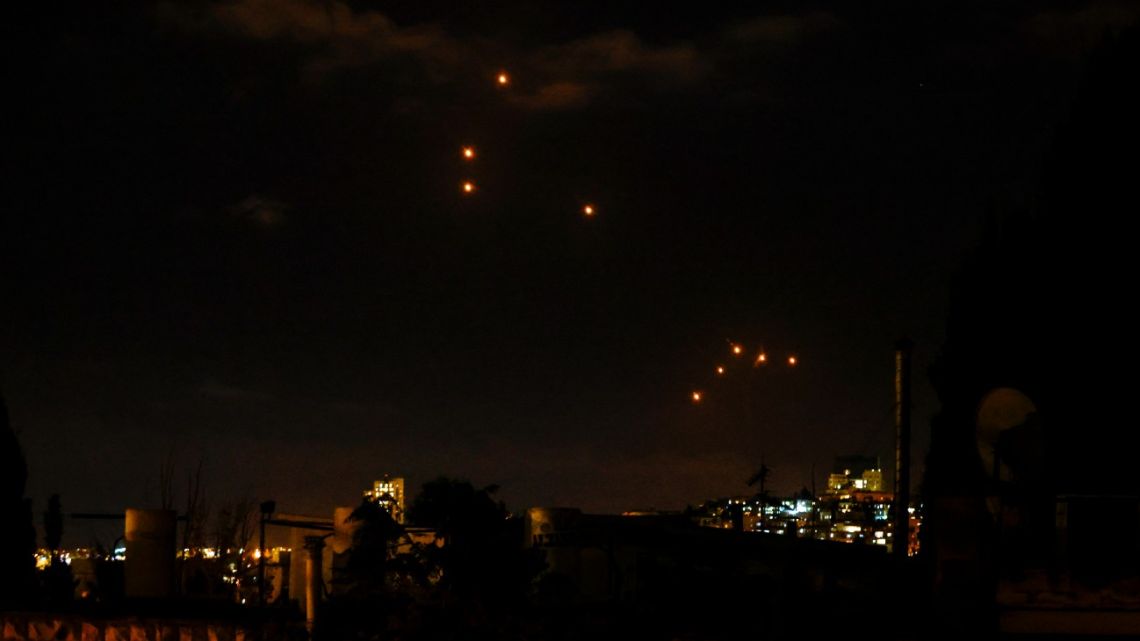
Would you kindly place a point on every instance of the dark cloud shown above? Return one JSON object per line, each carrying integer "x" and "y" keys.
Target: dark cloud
{"x": 749, "y": 54}
{"x": 556, "y": 95}
{"x": 265, "y": 212}
{"x": 559, "y": 75}
{"x": 335, "y": 36}
{"x": 786, "y": 29}
{"x": 572, "y": 73}
{"x": 622, "y": 52}
{"x": 1073, "y": 30}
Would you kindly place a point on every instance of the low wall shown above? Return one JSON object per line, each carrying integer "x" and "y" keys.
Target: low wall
{"x": 42, "y": 627}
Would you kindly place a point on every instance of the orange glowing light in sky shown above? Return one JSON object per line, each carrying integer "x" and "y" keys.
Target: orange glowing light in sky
{"x": 737, "y": 350}
{"x": 792, "y": 361}
{"x": 468, "y": 153}
{"x": 761, "y": 358}
{"x": 588, "y": 210}
{"x": 503, "y": 79}
{"x": 468, "y": 187}
{"x": 696, "y": 397}
{"x": 720, "y": 370}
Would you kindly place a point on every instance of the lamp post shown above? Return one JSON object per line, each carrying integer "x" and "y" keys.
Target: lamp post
{"x": 267, "y": 509}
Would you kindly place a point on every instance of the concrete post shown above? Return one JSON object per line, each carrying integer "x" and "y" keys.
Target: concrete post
{"x": 314, "y": 547}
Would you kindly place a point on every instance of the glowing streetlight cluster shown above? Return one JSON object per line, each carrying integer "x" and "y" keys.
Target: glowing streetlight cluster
{"x": 737, "y": 351}
{"x": 467, "y": 187}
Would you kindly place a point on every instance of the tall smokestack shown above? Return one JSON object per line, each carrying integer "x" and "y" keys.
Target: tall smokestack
{"x": 901, "y": 536}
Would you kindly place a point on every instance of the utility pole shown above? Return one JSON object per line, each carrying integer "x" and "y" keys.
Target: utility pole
{"x": 901, "y": 530}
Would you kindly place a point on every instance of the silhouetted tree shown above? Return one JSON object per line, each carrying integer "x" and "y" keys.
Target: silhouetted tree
{"x": 53, "y": 525}
{"x": 232, "y": 528}
{"x": 57, "y": 578}
{"x": 234, "y": 524}
{"x": 166, "y": 481}
{"x": 17, "y": 535}
{"x": 482, "y": 552}
{"x": 197, "y": 511}
{"x": 372, "y": 539}
{"x": 367, "y": 584}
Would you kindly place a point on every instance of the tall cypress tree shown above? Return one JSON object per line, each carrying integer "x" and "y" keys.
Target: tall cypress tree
{"x": 18, "y": 536}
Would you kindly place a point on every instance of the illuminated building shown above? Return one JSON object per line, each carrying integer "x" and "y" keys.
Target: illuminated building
{"x": 855, "y": 473}
{"x": 388, "y": 493}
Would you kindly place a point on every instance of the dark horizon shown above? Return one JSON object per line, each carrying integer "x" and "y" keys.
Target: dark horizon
{"x": 239, "y": 234}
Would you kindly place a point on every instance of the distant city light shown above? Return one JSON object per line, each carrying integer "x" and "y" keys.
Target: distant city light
{"x": 696, "y": 396}
{"x": 720, "y": 370}
{"x": 737, "y": 350}
{"x": 468, "y": 187}
{"x": 792, "y": 361}
{"x": 468, "y": 153}
{"x": 761, "y": 358}
{"x": 503, "y": 79}
{"x": 588, "y": 210}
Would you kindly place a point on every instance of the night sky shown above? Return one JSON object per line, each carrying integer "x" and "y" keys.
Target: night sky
{"x": 236, "y": 232}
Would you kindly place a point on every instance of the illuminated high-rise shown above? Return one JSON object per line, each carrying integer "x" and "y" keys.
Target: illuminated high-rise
{"x": 388, "y": 493}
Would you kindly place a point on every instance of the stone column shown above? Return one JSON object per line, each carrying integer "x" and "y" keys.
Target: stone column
{"x": 314, "y": 547}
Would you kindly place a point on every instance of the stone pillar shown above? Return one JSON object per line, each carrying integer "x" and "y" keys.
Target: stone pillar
{"x": 314, "y": 547}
